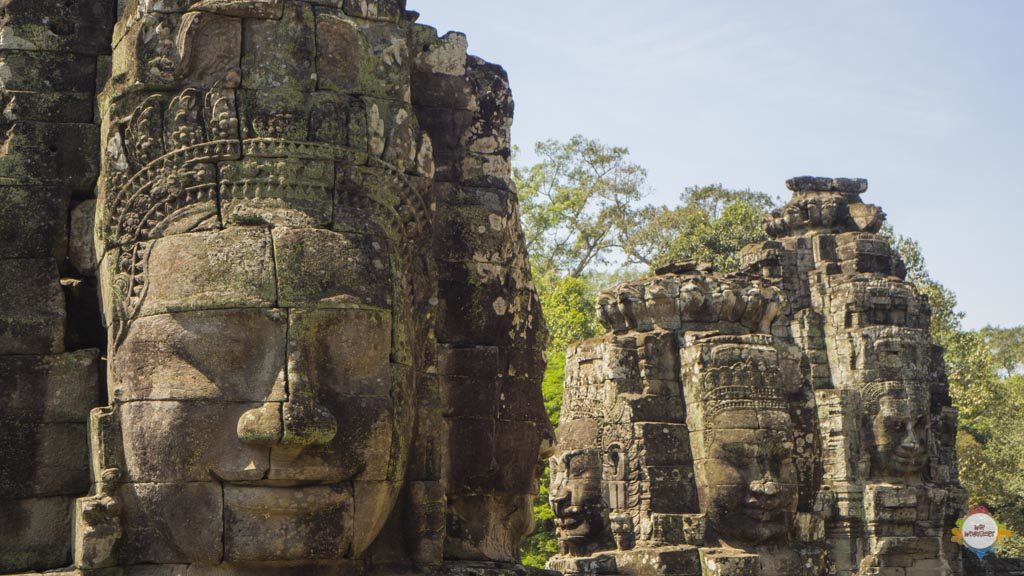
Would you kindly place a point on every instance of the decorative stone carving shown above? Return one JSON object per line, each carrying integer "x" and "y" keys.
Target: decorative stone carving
{"x": 896, "y": 429}
{"x": 308, "y": 371}
{"x": 689, "y": 401}
{"x": 578, "y": 498}
{"x": 742, "y": 436}
{"x": 818, "y": 423}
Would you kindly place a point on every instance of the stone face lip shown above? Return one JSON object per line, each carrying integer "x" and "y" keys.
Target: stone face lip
{"x": 820, "y": 184}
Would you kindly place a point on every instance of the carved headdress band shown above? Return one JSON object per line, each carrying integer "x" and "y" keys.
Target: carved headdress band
{"x": 742, "y": 374}
{"x": 747, "y": 386}
{"x": 175, "y": 159}
{"x": 873, "y": 392}
{"x": 671, "y": 301}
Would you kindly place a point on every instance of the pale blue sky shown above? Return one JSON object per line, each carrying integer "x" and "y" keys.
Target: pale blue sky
{"x": 922, "y": 97}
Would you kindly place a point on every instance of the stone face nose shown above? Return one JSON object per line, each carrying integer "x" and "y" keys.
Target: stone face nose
{"x": 910, "y": 440}
{"x": 299, "y": 421}
{"x": 560, "y": 498}
{"x": 307, "y": 424}
{"x": 261, "y": 426}
{"x": 766, "y": 486}
{"x": 305, "y": 421}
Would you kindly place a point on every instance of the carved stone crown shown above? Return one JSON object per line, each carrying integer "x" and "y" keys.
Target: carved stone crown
{"x": 672, "y": 300}
{"x": 872, "y": 393}
{"x": 163, "y": 161}
{"x": 730, "y": 388}
{"x": 172, "y": 164}
{"x": 745, "y": 380}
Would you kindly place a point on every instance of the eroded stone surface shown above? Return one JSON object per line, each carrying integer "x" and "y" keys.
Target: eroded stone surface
{"x": 35, "y": 532}
{"x": 32, "y": 315}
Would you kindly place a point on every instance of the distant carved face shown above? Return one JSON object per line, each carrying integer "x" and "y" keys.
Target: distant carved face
{"x": 262, "y": 398}
{"x": 748, "y": 479}
{"x": 621, "y": 525}
{"x": 897, "y": 437}
{"x": 576, "y": 495}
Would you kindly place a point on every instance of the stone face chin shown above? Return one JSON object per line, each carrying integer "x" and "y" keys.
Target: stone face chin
{"x": 792, "y": 419}
{"x": 268, "y": 524}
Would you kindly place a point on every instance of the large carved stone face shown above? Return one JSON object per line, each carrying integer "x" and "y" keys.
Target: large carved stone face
{"x": 897, "y": 436}
{"x": 742, "y": 438}
{"x": 576, "y": 495}
{"x": 748, "y": 478}
{"x": 263, "y": 398}
{"x": 266, "y": 216}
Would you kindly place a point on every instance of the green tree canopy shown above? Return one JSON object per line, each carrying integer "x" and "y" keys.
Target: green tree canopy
{"x": 990, "y": 431}
{"x": 711, "y": 224}
{"x": 583, "y": 212}
{"x": 1007, "y": 345}
{"x": 578, "y": 202}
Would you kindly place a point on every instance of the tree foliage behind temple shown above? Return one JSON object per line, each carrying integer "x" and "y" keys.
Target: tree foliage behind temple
{"x": 588, "y": 227}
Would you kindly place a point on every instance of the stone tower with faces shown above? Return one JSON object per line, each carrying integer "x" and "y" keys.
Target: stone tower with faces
{"x": 323, "y": 347}
{"x": 800, "y": 411}
{"x": 888, "y": 428}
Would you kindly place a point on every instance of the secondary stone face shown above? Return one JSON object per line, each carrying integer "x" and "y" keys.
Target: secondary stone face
{"x": 307, "y": 371}
{"x": 790, "y": 419}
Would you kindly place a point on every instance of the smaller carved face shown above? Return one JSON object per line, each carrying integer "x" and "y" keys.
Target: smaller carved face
{"x": 897, "y": 437}
{"x": 576, "y": 495}
{"x": 622, "y": 530}
{"x": 749, "y": 485}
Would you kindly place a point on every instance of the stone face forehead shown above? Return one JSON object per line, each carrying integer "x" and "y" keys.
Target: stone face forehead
{"x": 914, "y": 394}
{"x": 579, "y": 434}
{"x": 580, "y": 462}
{"x": 254, "y": 267}
{"x": 753, "y": 437}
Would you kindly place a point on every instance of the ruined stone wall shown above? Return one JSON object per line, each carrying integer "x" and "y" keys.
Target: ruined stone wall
{"x": 490, "y": 333}
{"x": 51, "y": 53}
